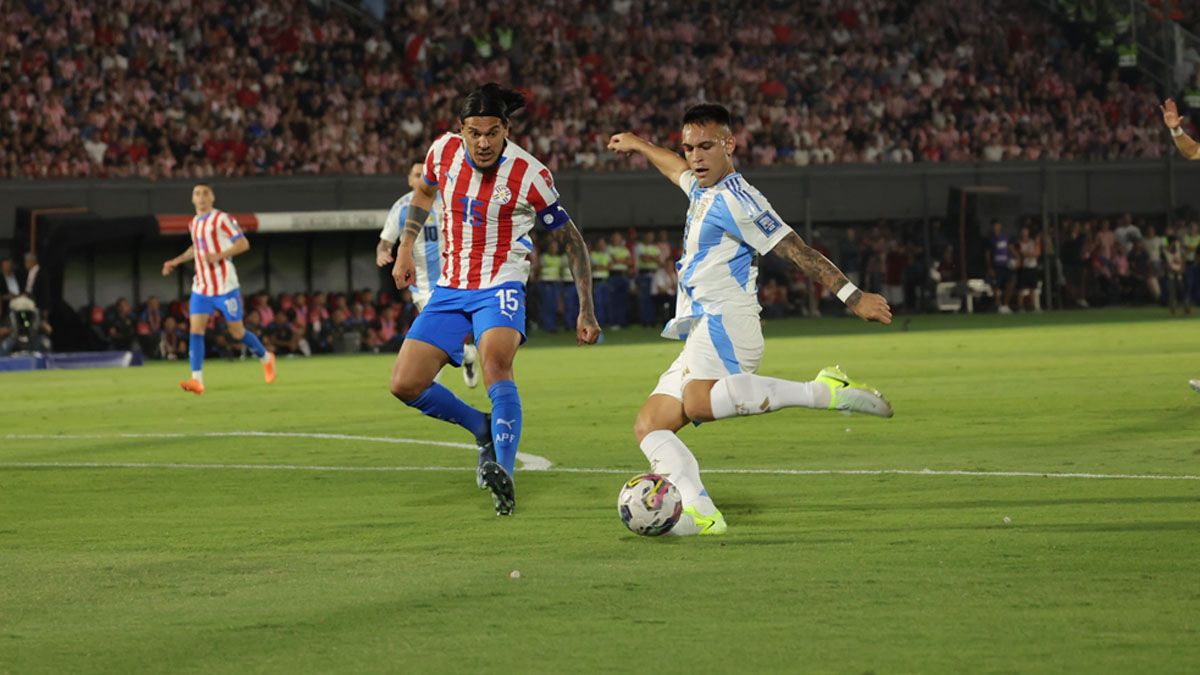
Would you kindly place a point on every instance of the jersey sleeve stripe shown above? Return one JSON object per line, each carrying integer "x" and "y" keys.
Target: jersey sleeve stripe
{"x": 742, "y": 200}
{"x": 540, "y": 195}
{"x": 434, "y": 159}
{"x": 740, "y": 188}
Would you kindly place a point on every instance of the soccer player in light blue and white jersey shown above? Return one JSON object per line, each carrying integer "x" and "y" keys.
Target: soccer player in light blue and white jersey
{"x": 728, "y": 224}
{"x": 427, "y": 256}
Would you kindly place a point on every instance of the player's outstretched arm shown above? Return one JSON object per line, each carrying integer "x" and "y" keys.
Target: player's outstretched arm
{"x": 1174, "y": 122}
{"x": 404, "y": 270}
{"x": 570, "y": 239}
{"x": 668, "y": 163}
{"x": 867, "y": 306}
{"x": 170, "y": 265}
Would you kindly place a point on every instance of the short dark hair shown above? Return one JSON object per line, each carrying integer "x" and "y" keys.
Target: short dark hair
{"x": 704, "y": 113}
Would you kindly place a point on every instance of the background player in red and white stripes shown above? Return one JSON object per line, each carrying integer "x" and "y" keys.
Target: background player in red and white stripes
{"x": 493, "y": 194}
{"x": 216, "y": 239}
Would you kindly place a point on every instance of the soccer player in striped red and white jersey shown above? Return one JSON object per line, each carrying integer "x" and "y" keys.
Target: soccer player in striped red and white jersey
{"x": 216, "y": 239}
{"x": 493, "y": 195}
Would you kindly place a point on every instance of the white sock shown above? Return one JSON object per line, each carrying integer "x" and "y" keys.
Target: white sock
{"x": 748, "y": 394}
{"x": 671, "y": 458}
{"x": 438, "y": 377}
{"x": 470, "y": 354}
{"x": 198, "y": 376}
{"x": 265, "y": 357}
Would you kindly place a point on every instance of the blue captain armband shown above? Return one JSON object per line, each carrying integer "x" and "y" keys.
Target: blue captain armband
{"x": 553, "y": 217}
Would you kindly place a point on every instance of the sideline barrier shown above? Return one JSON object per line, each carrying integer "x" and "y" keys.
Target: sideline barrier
{"x": 70, "y": 361}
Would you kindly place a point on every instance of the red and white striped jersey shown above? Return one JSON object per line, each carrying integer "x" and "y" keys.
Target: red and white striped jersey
{"x": 214, "y": 231}
{"x": 487, "y": 214}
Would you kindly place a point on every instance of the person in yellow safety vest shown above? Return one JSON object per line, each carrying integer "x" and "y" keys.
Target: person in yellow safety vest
{"x": 601, "y": 260}
{"x": 1127, "y": 55}
{"x": 618, "y": 282}
{"x": 648, "y": 256}
{"x": 570, "y": 301}
{"x": 1191, "y": 97}
{"x": 550, "y": 283}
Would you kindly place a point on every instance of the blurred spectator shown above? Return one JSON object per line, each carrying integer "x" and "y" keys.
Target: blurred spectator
{"x": 648, "y": 262}
{"x": 1176, "y": 291}
{"x": 25, "y": 330}
{"x": 1029, "y": 256}
{"x": 601, "y": 261}
{"x": 551, "y": 263}
{"x": 385, "y": 334}
{"x": 1001, "y": 261}
{"x": 121, "y": 327}
{"x": 850, "y": 257}
{"x": 773, "y": 297}
{"x": 665, "y": 290}
{"x": 172, "y": 340}
{"x": 11, "y": 282}
{"x": 618, "y": 281}
{"x": 280, "y": 337}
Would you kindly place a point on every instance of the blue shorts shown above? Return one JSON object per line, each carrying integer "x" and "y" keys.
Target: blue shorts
{"x": 229, "y": 304}
{"x": 453, "y": 313}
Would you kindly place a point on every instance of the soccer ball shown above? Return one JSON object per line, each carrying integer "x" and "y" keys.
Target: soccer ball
{"x": 649, "y": 505}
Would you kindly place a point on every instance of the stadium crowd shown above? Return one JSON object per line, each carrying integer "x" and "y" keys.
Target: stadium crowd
{"x": 195, "y": 89}
{"x": 1093, "y": 261}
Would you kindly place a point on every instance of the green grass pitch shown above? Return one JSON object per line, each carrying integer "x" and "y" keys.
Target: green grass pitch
{"x": 206, "y": 569}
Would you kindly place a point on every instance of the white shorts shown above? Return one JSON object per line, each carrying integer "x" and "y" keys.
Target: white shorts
{"x": 717, "y": 346}
{"x": 420, "y": 297}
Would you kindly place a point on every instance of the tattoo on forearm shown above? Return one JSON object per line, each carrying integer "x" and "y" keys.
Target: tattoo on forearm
{"x": 571, "y": 241}
{"x": 816, "y": 266}
{"x": 415, "y": 221}
{"x": 1187, "y": 146}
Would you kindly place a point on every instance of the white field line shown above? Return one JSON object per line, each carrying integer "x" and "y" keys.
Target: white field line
{"x": 530, "y": 462}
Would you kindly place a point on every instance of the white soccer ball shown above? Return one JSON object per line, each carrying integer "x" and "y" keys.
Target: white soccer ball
{"x": 649, "y": 505}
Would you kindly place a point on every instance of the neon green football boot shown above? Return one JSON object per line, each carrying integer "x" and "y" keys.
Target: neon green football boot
{"x": 850, "y": 396}
{"x": 691, "y": 522}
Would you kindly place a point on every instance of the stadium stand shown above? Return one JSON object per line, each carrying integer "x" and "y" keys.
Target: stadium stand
{"x": 110, "y": 88}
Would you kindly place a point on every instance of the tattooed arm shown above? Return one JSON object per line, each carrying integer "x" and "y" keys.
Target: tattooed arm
{"x": 404, "y": 270}
{"x": 570, "y": 239}
{"x": 868, "y": 306}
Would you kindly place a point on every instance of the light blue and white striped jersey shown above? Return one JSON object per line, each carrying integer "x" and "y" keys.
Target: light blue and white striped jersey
{"x": 427, "y": 250}
{"x": 727, "y": 224}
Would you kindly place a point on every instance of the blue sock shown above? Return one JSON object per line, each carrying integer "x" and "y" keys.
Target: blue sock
{"x": 441, "y": 403}
{"x": 196, "y": 351}
{"x": 506, "y": 422}
{"x": 251, "y": 340}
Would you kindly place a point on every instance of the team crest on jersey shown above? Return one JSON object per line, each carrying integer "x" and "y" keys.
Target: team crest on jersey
{"x": 502, "y": 195}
